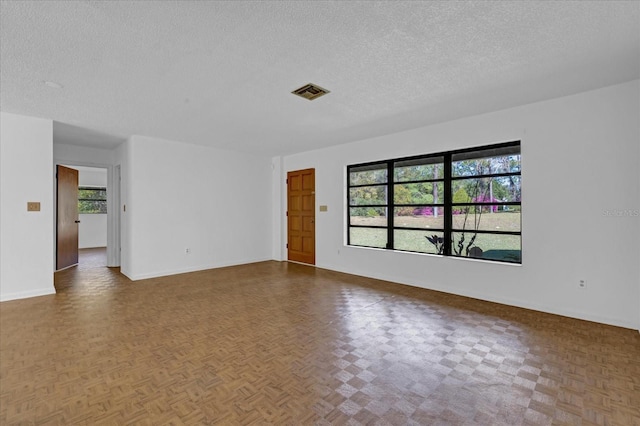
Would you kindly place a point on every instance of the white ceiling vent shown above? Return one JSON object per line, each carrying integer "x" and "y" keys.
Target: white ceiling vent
{"x": 310, "y": 91}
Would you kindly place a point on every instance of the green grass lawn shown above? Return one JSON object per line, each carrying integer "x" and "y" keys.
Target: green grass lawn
{"x": 412, "y": 240}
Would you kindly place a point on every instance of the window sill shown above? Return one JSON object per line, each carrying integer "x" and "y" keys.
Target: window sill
{"x": 468, "y": 259}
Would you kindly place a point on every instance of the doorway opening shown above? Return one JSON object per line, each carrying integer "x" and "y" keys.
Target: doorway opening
{"x": 87, "y": 216}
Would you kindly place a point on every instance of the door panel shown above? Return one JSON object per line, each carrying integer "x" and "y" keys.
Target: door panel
{"x": 294, "y": 224}
{"x": 308, "y": 202}
{"x": 67, "y": 217}
{"x": 295, "y": 244}
{"x": 301, "y": 228}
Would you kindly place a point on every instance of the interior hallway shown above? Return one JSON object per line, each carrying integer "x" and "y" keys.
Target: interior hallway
{"x": 279, "y": 343}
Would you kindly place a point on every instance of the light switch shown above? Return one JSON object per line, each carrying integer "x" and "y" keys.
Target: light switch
{"x": 323, "y": 208}
{"x": 33, "y": 206}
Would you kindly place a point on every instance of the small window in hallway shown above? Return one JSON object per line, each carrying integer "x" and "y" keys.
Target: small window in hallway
{"x": 92, "y": 200}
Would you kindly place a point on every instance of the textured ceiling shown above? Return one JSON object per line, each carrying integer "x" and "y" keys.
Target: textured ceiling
{"x": 221, "y": 73}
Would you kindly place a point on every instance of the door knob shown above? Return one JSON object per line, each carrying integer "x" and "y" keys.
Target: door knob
{"x": 77, "y": 221}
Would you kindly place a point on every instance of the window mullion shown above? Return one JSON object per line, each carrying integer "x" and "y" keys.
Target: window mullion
{"x": 447, "y": 204}
{"x": 348, "y": 194}
{"x": 390, "y": 205}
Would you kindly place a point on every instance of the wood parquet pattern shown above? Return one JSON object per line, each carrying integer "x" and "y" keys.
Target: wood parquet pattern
{"x": 287, "y": 344}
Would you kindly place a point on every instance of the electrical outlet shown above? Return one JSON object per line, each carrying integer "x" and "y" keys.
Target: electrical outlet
{"x": 187, "y": 250}
{"x": 582, "y": 283}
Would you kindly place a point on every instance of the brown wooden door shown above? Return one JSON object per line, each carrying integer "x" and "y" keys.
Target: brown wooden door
{"x": 67, "y": 217}
{"x": 301, "y": 216}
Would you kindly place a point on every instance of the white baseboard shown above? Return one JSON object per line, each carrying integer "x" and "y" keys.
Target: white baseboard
{"x": 156, "y": 274}
{"x": 27, "y": 294}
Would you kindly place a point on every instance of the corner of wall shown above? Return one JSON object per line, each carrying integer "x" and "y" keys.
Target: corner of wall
{"x": 276, "y": 208}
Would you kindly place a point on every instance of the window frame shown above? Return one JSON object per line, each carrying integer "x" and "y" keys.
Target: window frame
{"x": 446, "y": 203}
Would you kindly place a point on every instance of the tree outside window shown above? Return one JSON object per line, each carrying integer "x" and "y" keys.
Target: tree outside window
{"x": 92, "y": 200}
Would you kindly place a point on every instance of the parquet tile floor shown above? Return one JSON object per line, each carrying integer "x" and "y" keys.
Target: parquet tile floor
{"x": 287, "y": 344}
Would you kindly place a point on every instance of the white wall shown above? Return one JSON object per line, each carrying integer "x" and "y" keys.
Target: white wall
{"x": 26, "y": 174}
{"x": 579, "y": 158}
{"x": 277, "y": 178}
{"x": 92, "y": 231}
{"x": 217, "y": 203}
{"x": 82, "y": 155}
{"x": 91, "y": 176}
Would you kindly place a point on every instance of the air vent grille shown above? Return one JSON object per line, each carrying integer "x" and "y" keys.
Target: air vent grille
{"x": 310, "y": 91}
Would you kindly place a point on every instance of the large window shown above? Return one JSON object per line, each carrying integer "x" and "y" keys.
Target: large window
{"x": 464, "y": 203}
{"x": 92, "y": 200}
